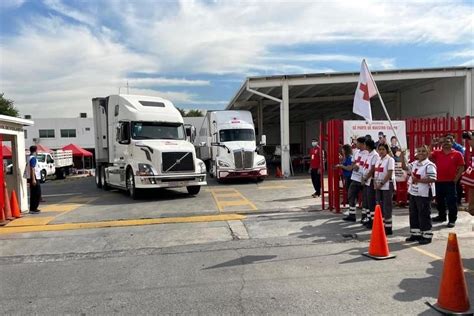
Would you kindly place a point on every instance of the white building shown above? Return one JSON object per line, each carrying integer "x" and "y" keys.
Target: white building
{"x": 56, "y": 133}
{"x": 289, "y": 109}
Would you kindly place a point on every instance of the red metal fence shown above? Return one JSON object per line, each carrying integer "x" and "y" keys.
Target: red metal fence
{"x": 420, "y": 131}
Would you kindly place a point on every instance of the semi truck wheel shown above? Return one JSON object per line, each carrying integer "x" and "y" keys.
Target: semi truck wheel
{"x": 98, "y": 177}
{"x": 194, "y": 189}
{"x": 131, "y": 189}
{"x": 43, "y": 176}
{"x": 103, "y": 179}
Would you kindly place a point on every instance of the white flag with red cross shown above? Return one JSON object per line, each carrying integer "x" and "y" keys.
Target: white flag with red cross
{"x": 366, "y": 89}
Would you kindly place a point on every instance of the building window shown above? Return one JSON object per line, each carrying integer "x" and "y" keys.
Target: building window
{"x": 88, "y": 129}
{"x": 68, "y": 133}
{"x": 46, "y": 133}
{"x": 26, "y": 133}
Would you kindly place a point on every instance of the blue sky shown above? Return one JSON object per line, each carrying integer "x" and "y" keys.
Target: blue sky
{"x": 56, "y": 55}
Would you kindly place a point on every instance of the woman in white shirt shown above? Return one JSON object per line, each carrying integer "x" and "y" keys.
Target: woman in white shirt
{"x": 422, "y": 190}
{"x": 368, "y": 181}
{"x": 384, "y": 183}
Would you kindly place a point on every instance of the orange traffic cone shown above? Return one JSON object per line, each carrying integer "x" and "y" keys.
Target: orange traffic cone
{"x": 453, "y": 297}
{"x": 378, "y": 248}
{"x": 8, "y": 210}
{"x": 278, "y": 173}
{"x": 14, "y": 205}
{"x": 3, "y": 220}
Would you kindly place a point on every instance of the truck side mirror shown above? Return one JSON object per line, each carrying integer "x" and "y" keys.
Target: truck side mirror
{"x": 124, "y": 133}
{"x": 263, "y": 140}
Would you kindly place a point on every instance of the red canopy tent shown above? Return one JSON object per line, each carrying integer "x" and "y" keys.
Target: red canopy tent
{"x": 6, "y": 151}
{"x": 43, "y": 149}
{"x": 78, "y": 151}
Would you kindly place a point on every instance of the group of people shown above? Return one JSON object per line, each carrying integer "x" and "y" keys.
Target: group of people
{"x": 369, "y": 171}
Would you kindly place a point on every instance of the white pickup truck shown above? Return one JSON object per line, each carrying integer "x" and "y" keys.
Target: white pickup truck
{"x": 56, "y": 163}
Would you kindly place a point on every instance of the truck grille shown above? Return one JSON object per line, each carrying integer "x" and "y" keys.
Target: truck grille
{"x": 243, "y": 159}
{"x": 177, "y": 162}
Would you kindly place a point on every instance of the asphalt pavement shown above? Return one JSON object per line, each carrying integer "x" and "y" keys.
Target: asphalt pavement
{"x": 303, "y": 261}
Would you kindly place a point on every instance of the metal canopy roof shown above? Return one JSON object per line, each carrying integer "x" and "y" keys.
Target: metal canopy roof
{"x": 329, "y": 95}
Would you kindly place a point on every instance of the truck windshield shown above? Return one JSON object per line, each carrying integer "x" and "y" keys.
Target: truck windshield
{"x": 232, "y": 135}
{"x": 157, "y": 130}
{"x": 41, "y": 157}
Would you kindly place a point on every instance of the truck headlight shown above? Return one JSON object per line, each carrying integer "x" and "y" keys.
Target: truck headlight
{"x": 223, "y": 163}
{"x": 261, "y": 162}
{"x": 145, "y": 170}
{"x": 202, "y": 166}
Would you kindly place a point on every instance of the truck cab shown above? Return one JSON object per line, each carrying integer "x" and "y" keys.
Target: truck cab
{"x": 57, "y": 163}
{"x": 141, "y": 144}
{"x": 227, "y": 143}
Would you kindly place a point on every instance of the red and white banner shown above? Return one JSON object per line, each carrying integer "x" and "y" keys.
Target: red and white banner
{"x": 377, "y": 130}
{"x": 366, "y": 89}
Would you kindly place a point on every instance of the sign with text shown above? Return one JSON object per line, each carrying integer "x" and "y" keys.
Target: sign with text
{"x": 355, "y": 129}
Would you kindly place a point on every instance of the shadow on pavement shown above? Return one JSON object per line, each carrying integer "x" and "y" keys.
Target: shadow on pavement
{"x": 414, "y": 289}
{"x": 242, "y": 261}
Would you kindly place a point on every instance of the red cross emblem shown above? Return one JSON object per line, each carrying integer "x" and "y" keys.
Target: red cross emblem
{"x": 379, "y": 168}
{"x": 358, "y": 161}
{"x": 416, "y": 175}
{"x": 364, "y": 88}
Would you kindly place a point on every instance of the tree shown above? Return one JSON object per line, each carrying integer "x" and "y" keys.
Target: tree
{"x": 182, "y": 112}
{"x": 194, "y": 113}
{"x": 7, "y": 107}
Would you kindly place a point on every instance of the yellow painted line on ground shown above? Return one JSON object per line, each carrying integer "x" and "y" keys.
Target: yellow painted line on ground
{"x": 233, "y": 203}
{"x": 271, "y": 187}
{"x": 30, "y": 221}
{"x": 66, "y": 207}
{"x": 218, "y": 194}
{"x": 427, "y": 253}
{"x": 248, "y": 202}
{"x": 436, "y": 257}
{"x": 223, "y": 195}
{"x": 121, "y": 223}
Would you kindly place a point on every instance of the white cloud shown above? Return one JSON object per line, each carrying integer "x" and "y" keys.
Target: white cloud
{"x": 464, "y": 57}
{"x": 146, "y": 82}
{"x": 70, "y": 12}
{"x": 11, "y": 4}
{"x": 225, "y": 36}
{"x": 53, "y": 68}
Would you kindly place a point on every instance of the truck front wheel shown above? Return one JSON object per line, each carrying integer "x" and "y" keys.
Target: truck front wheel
{"x": 98, "y": 177}
{"x": 131, "y": 189}
{"x": 103, "y": 179}
{"x": 43, "y": 176}
{"x": 194, "y": 189}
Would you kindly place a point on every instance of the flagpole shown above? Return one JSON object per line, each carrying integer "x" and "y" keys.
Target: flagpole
{"x": 383, "y": 106}
{"x": 388, "y": 117}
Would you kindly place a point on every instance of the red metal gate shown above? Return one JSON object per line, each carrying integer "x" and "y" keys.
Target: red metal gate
{"x": 331, "y": 142}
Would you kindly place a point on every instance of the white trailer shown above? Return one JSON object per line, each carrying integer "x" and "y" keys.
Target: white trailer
{"x": 226, "y": 143}
{"x": 141, "y": 144}
{"x": 58, "y": 163}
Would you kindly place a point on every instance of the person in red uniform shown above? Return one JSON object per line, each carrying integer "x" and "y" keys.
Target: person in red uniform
{"x": 450, "y": 165}
{"x": 315, "y": 167}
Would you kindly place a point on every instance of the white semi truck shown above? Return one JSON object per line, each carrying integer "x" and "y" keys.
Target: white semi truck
{"x": 226, "y": 143}
{"x": 141, "y": 144}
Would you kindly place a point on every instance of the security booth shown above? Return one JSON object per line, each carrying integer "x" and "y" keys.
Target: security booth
{"x": 11, "y": 175}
